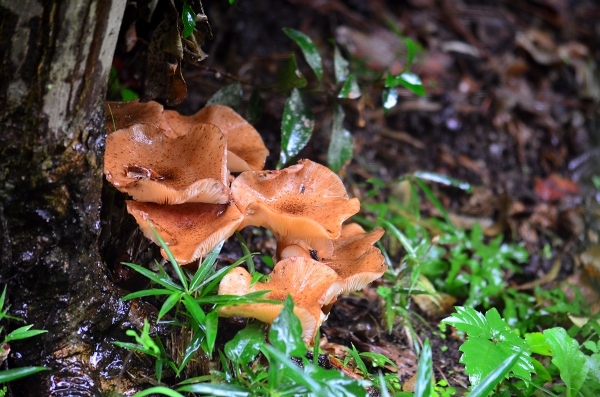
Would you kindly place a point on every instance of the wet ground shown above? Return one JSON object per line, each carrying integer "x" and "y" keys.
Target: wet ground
{"x": 511, "y": 108}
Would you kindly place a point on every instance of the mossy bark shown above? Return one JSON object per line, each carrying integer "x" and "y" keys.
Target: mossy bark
{"x": 55, "y": 57}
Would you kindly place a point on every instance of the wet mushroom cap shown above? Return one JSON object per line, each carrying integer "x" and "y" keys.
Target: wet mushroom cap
{"x": 306, "y": 200}
{"x": 119, "y": 115}
{"x": 191, "y": 230}
{"x": 143, "y": 162}
{"x": 246, "y": 150}
{"x": 310, "y": 284}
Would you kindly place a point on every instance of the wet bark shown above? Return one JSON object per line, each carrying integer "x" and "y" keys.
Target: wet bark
{"x": 55, "y": 57}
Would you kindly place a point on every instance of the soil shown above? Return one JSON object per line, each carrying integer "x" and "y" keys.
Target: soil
{"x": 511, "y": 108}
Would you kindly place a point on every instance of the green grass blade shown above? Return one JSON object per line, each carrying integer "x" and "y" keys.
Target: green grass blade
{"x": 423, "y": 385}
{"x": 247, "y": 253}
{"x": 176, "y": 267}
{"x": 205, "y": 267}
{"x": 17, "y": 373}
{"x": 147, "y": 292}
{"x": 164, "y": 281}
{"x": 165, "y": 391}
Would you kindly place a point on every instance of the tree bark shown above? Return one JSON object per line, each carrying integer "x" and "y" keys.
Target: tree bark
{"x": 54, "y": 65}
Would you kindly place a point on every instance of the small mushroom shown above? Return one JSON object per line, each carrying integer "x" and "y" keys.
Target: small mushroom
{"x": 191, "y": 230}
{"x": 308, "y": 282}
{"x": 306, "y": 200}
{"x": 119, "y": 115}
{"x": 245, "y": 148}
{"x": 142, "y": 161}
{"x": 352, "y": 255}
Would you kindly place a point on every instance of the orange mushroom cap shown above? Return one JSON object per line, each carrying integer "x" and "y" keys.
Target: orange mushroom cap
{"x": 306, "y": 200}
{"x": 142, "y": 161}
{"x": 310, "y": 284}
{"x": 191, "y": 230}
{"x": 119, "y": 115}
{"x": 246, "y": 150}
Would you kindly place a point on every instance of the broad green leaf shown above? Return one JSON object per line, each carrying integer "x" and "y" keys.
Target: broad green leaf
{"x": 308, "y": 49}
{"x": 256, "y": 107}
{"x": 389, "y": 98}
{"x": 488, "y": 384}
{"x": 537, "y": 343}
{"x": 567, "y": 357}
{"x": 340, "y": 147}
{"x": 188, "y": 17}
{"x": 296, "y": 127}
{"x": 340, "y": 65}
{"x": 23, "y": 333}
{"x": 230, "y": 95}
{"x": 286, "y": 331}
{"x": 218, "y": 390}
{"x": 592, "y": 363}
{"x": 423, "y": 385}
{"x": 245, "y": 345}
{"x": 350, "y": 89}
{"x": 289, "y": 76}
{"x": 9, "y": 375}
{"x": 128, "y": 94}
{"x": 489, "y": 343}
{"x": 408, "y": 80}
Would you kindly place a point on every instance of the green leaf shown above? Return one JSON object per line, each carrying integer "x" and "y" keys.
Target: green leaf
{"x": 165, "y": 391}
{"x": 444, "y": 180}
{"x": 411, "y": 49}
{"x": 350, "y": 89}
{"x": 245, "y": 345}
{"x": 296, "y": 127}
{"x": 256, "y": 107}
{"x": 408, "y": 80}
{"x": 188, "y": 17}
{"x": 423, "y": 385}
{"x": 308, "y": 49}
{"x": 211, "y": 326}
{"x": 341, "y": 145}
{"x": 169, "y": 303}
{"x": 289, "y": 76}
{"x": 286, "y": 331}
{"x": 340, "y": 65}
{"x": 389, "y": 98}
{"x": 230, "y": 95}
{"x": 12, "y": 374}
{"x": 23, "y": 333}
{"x": 194, "y": 309}
{"x": 567, "y": 357}
{"x": 490, "y": 342}
{"x": 212, "y": 389}
{"x": 164, "y": 281}
{"x": 147, "y": 292}
{"x": 537, "y": 343}
{"x": 294, "y": 371}
{"x": 488, "y": 384}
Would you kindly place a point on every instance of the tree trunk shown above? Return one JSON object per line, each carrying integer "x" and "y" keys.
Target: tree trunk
{"x": 54, "y": 64}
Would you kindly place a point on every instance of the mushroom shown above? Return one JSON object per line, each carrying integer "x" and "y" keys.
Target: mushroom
{"x": 245, "y": 148}
{"x": 119, "y": 115}
{"x": 191, "y": 230}
{"x": 310, "y": 284}
{"x": 306, "y": 200}
{"x": 142, "y": 161}
{"x": 352, "y": 255}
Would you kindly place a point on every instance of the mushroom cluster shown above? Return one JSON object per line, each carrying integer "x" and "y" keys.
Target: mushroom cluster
{"x": 177, "y": 170}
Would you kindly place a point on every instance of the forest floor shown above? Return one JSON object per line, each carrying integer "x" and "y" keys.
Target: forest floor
{"x": 511, "y": 110}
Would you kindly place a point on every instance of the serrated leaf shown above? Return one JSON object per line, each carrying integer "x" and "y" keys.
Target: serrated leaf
{"x": 341, "y": 145}
{"x": 290, "y": 76}
{"x": 567, "y": 357}
{"x": 188, "y": 17}
{"x": 389, "y": 98}
{"x": 230, "y": 95}
{"x": 308, "y": 49}
{"x": 350, "y": 89}
{"x": 245, "y": 345}
{"x": 286, "y": 332}
{"x": 340, "y": 66}
{"x": 297, "y": 126}
{"x": 490, "y": 342}
{"x": 423, "y": 384}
